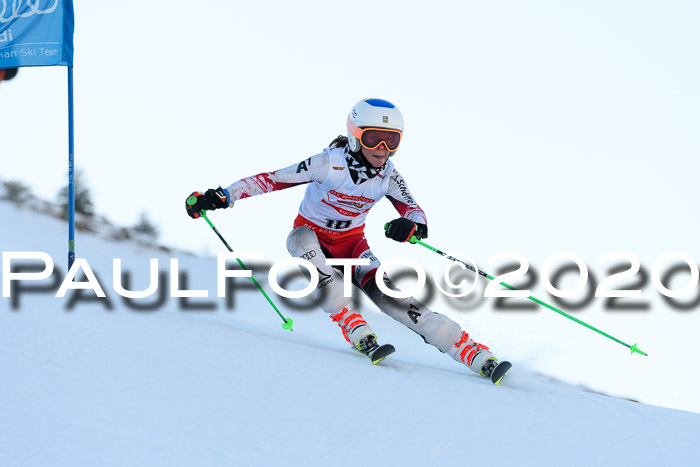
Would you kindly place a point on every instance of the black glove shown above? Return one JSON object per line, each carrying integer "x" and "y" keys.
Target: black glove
{"x": 403, "y": 229}
{"x": 207, "y": 201}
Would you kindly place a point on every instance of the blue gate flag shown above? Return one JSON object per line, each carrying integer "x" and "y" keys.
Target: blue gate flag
{"x": 36, "y": 33}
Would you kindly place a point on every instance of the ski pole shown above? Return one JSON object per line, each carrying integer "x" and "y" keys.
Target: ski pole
{"x": 287, "y": 321}
{"x": 414, "y": 239}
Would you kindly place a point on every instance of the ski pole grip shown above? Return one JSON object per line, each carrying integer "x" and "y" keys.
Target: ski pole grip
{"x": 191, "y": 201}
{"x": 413, "y": 238}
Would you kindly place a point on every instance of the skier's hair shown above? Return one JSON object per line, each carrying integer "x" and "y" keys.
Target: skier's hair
{"x": 340, "y": 141}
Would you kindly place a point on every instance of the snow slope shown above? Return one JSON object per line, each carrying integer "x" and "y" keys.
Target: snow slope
{"x": 103, "y": 384}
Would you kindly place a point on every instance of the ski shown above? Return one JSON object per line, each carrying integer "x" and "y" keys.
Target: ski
{"x": 500, "y": 371}
{"x": 379, "y": 353}
{"x": 368, "y": 347}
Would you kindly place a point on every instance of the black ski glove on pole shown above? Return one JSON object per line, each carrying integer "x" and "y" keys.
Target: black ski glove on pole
{"x": 402, "y": 229}
{"x": 207, "y": 201}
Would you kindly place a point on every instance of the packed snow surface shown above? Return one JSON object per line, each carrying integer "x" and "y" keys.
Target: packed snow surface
{"x": 199, "y": 382}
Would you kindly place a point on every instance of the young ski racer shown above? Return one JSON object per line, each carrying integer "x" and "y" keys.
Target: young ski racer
{"x": 343, "y": 183}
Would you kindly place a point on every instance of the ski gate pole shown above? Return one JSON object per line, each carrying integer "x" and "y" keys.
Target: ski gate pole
{"x": 633, "y": 348}
{"x": 287, "y": 321}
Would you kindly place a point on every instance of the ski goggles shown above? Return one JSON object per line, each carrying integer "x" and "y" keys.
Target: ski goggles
{"x": 372, "y": 138}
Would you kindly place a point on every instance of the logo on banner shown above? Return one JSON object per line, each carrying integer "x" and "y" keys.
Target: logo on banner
{"x": 33, "y": 8}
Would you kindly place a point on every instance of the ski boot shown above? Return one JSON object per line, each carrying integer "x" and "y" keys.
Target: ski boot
{"x": 488, "y": 367}
{"x": 369, "y": 347}
{"x": 495, "y": 370}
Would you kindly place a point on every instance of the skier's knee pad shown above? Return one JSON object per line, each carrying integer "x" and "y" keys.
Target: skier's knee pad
{"x": 303, "y": 243}
{"x": 301, "y": 240}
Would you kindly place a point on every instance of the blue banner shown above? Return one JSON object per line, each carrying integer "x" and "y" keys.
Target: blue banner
{"x": 36, "y": 33}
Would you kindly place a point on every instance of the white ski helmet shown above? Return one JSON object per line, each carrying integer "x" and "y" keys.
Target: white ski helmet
{"x": 373, "y": 113}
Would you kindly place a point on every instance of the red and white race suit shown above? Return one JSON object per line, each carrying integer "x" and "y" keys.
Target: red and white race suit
{"x": 335, "y": 205}
{"x": 331, "y": 223}
{"x": 333, "y": 202}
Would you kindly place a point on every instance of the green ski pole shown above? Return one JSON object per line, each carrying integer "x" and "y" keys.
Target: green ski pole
{"x": 633, "y": 348}
{"x": 287, "y": 321}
